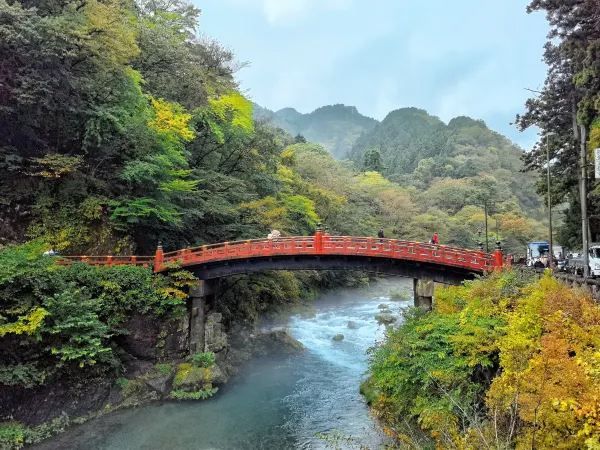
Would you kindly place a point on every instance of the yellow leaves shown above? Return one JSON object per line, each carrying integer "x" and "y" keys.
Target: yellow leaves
{"x": 450, "y": 300}
{"x": 234, "y": 108}
{"x": 373, "y": 181}
{"x": 549, "y": 370}
{"x": 55, "y": 165}
{"x": 173, "y": 292}
{"x": 171, "y": 120}
{"x": 287, "y": 175}
{"x": 288, "y": 156}
{"x": 27, "y": 324}
{"x": 267, "y": 211}
{"x": 108, "y": 31}
{"x": 594, "y": 141}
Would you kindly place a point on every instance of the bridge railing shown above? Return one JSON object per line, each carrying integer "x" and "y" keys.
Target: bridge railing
{"x": 415, "y": 251}
{"x": 304, "y": 245}
{"x": 334, "y": 245}
{"x": 144, "y": 261}
{"x": 242, "y": 249}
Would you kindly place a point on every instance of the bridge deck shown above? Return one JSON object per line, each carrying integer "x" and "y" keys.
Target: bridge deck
{"x": 320, "y": 244}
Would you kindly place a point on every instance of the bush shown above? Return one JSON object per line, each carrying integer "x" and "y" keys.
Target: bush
{"x": 202, "y": 394}
{"x": 163, "y": 369}
{"x": 204, "y": 359}
{"x": 505, "y": 360}
{"x": 57, "y": 318}
{"x": 12, "y": 435}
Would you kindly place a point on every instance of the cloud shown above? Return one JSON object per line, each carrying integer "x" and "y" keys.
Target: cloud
{"x": 450, "y": 58}
{"x": 280, "y": 12}
{"x": 277, "y": 11}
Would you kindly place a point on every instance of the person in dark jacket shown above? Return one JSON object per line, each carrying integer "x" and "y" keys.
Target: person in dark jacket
{"x": 380, "y": 233}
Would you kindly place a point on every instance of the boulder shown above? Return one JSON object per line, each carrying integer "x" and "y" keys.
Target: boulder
{"x": 353, "y": 325}
{"x": 215, "y": 339}
{"x": 385, "y": 318}
{"x": 160, "y": 383}
{"x": 338, "y": 337}
{"x": 278, "y": 341}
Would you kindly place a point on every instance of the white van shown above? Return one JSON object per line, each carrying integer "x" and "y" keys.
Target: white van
{"x": 595, "y": 260}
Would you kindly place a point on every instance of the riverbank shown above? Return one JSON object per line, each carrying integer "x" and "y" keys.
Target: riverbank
{"x": 307, "y": 400}
{"x": 124, "y": 339}
{"x": 502, "y": 362}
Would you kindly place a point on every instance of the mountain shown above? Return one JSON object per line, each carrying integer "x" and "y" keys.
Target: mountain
{"x": 403, "y": 138}
{"x": 417, "y": 149}
{"x": 335, "y": 127}
{"x": 408, "y": 136}
{"x": 414, "y": 147}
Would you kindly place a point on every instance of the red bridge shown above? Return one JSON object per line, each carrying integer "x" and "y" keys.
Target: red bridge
{"x": 409, "y": 259}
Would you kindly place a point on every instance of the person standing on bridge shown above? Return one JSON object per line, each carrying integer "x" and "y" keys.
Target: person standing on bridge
{"x": 380, "y": 234}
{"x": 435, "y": 239}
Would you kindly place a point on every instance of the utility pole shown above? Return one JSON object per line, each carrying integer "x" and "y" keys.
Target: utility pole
{"x": 487, "y": 243}
{"x": 551, "y": 255}
{"x": 583, "y": 194}
{"x": 497, "y": 230}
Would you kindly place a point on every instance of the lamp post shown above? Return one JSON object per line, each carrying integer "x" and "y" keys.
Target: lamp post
{"x": 551, "y": 252}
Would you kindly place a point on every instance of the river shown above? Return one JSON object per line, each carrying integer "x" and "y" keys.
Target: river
{"x": 287, "y": 402}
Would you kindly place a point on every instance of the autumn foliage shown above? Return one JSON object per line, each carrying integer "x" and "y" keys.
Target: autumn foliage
{"x": 502, "y": 362}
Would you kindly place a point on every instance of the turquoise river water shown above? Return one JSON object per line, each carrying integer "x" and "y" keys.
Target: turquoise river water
{"x": 305, "y": 401}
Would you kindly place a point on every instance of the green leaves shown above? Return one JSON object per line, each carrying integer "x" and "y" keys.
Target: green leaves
{"x": 76, "y": 329}
{"x": 505, "y": 360}
{"x": 60, "y": 317}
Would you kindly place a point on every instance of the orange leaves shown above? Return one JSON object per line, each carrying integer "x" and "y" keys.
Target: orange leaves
{"x": 527, "y": 351}
{"x": 549, "y": 367}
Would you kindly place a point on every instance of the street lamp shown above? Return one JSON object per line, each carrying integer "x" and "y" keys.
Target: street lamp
{"x": 551, "y": 255}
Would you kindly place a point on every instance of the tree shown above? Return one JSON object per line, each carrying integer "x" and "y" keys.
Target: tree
{"x": 570, "y": 96}
{"x": 372, "y": 161}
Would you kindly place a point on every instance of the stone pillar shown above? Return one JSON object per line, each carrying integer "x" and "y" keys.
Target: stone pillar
{"x": 198, "y": 315}
{"x": 423, "y": 293}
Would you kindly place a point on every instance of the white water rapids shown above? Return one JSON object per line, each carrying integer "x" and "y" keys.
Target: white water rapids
{"x": 288, "y": 402}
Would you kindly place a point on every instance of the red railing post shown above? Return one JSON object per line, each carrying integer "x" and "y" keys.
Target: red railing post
{"x": 319, "y": 239}
{"x": 498, "y": 257}
{"x": 158, "y": 258}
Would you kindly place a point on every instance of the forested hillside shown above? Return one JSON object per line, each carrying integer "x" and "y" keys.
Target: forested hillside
{"x": 445, "y": 170}
{"x": 335, "y": 127}
{"x": 414, "y": 148}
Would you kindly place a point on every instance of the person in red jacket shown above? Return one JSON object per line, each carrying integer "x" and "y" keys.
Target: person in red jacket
{"x": 435, "y": 240}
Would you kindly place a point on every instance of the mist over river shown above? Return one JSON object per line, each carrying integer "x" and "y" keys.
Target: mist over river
{"x": 286, "y": 402}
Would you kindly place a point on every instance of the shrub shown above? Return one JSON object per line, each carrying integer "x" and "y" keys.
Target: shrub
{"x": 65, "y": 317}
{"x": 204, "y": 359}
{"x": 12, "y": 435}
{"x": 202, "y": 394}
{"x": 163, "y": 369}
{"x": 504, "y": 360}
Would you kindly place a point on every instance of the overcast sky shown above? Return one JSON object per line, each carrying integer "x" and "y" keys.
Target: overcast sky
{"x": 450, "y": 57}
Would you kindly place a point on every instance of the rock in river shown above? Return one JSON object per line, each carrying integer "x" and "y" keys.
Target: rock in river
{"x": 385, "y": 318}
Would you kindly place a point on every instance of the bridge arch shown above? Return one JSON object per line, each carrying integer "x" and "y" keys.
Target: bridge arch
{"x": 443, "y": 264}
